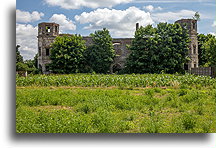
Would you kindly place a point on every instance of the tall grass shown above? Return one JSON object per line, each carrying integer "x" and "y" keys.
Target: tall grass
{"x": 114, "y": 110}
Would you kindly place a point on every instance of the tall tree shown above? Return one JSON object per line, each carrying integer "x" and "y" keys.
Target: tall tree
{"x": 210, "y": 46}
{"x": 19, "y": 58}
{"x": 203, "y": 41}
{"x": 163, "y": 48}
{"x": 20, "y": 65}
{"x": 100, "y": 54}
{"x": 67, "y": 54}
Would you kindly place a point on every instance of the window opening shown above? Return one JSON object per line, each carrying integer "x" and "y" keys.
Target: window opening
{"x": 39, "y": 51}
{"x": 194, "y": 49}
{"x": 48, "y": 29}
{"x": 194, "y": 25}
{"x": 194, "y": 65}
{"x": 47, "y": 52}
{"x": 56, "y": 28}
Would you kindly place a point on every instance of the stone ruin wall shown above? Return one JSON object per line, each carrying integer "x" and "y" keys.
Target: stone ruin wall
{"x": 193, "y": 44}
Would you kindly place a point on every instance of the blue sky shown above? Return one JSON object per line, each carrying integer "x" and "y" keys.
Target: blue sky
{"x": 119, "y": 16}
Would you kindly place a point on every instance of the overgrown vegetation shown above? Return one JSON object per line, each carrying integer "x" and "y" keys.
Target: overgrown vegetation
{"x": 148, "y": 103}
{"x": 163, "y": 48}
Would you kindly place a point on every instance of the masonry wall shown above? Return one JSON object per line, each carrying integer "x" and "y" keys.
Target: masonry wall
{"x": 47, "y": 32}
{"x": 191, "y": 26}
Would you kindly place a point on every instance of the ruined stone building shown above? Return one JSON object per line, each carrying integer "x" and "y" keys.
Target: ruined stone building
{"x": 47, "y": 32}
{"x": 191, "y": 25}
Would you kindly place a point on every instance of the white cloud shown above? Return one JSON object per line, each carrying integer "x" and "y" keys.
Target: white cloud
{"x": 213, "y": 33}
{"x": 26, "y": 17}
{"x": 170, "y": 1}
{"x": 63, "y": 21}
{"x": 76, "y": 4}
{"x": 214, "y": 24}
{"x": 26, "y": 37}
{"x": 172, "y": 16}
{"x": 151, "y": 8}
{"x": 121, "y": 23}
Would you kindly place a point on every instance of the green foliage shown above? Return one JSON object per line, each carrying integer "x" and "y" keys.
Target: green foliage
{"x": 67, "y": 54}
{"x": 121, "y": 81}
{"x": 27, "y": 65}
{"x": 31, "y": 64}
{"x": 100, "y": 54}
{"x": 196, "y": 16}
{"x": 113, "y": 110}
{"x": 163, "y": 48}
{"x": 210, "y": 46}
{"x": 19, "y": 58}
{"x": 206, "y": 50}
{"x": 20, "y": 66}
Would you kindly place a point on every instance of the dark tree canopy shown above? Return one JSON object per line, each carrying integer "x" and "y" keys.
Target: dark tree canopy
{"x": 100, "y": 54}
{"x": 154, "y": 50}
{"x": 67, "y": 54}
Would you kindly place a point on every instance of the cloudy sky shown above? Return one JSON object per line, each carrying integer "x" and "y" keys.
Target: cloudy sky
{"x": 119, "y": 16}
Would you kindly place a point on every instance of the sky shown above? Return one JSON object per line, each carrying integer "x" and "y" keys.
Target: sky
{"x": 118, "y": 16}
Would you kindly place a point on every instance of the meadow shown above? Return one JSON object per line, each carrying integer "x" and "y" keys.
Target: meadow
{"x": 94, "y": 103}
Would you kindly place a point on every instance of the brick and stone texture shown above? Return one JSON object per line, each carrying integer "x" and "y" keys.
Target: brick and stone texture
{"x": 191, "y": 26}
{"x": 47, "y": 32}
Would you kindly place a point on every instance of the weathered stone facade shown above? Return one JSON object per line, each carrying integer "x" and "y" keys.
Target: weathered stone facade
{"x": 191, "y": 25}
{"x": 47, "y": 32}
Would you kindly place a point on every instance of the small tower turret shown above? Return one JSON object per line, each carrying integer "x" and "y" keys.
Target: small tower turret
{"x": 50, "y": 29}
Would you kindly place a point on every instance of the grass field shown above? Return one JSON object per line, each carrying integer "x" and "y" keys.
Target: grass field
{"x": 85, "y": 103}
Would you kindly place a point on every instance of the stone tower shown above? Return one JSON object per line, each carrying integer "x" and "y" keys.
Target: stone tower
{"x": 47, "y": 32}
{"x": 191, "y": 26}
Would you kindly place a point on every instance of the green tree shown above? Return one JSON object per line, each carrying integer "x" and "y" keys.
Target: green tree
{"x": 202, "y": 50}
{"x": 67, "y": 54}
{"x": 32, "y": 65}
{"x": 100, "y": 54}
{"x": 154, "y": 50}
{"x": 196, "y": 16}
{"x": 19, "y": 58}
{"x": 20, "y": 66}
{"x": 210, "y": 46}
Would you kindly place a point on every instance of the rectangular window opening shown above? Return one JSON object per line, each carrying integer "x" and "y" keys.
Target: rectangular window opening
{"x": 56, "y": 28}
{"x": 194, "y": 49}
{"x": 48, "y": 29}
{"x": 194, "y": 25}
{"x": 39, "y": 51}
{"x": 194, "y": 65}
{"x": 47, "y": 51}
